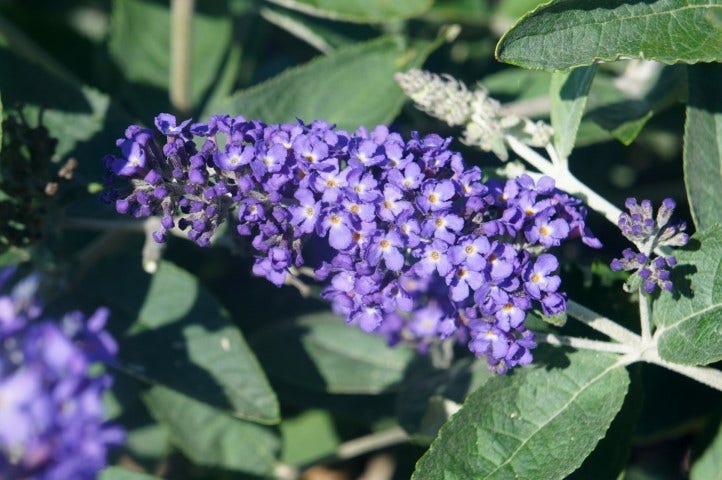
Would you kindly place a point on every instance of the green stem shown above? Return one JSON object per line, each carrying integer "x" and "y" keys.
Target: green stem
{"x": 585, "y": 344}
{"x": 180, "y": 56}
{"x": 645, "y": 313}
{"x": 564, "y": 179}
{"x": 602, "y": 324}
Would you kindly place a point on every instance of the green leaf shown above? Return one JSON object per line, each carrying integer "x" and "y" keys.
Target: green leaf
{"x": 709, "y": 464}
{"x": 690, "y": 319}
{"x": 178, "y": 336}
{"x": 321, "y": 352}
{"x": 572, "y": 33}
{"x": 540, "y": 422}
{"x": 470, "y": 12}
{"x": 211, "y": 437}
{"x": 703, "y": 145}
{"x": 360, "y": 11}
{"x": 140, "y": 45}
{"x": 353, "y": 86}
{"x": 611, "y": 454}
{"x": 518, "y": 84}
{"x": 308, "y": 437}
{"x": 117, "y": 473}
{"x": 568, "y": 93}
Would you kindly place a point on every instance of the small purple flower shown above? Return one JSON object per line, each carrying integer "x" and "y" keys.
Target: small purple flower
{"x": 425, "y": 321}
{"x": 166, "y": 124}
{"x": 362, "y": 186}
{"x": 444, "y": 226}
{"x": 235, "y": 157}
{"x": 433, "y": 257}
{"x": 435, "y": 196}
{"x": 337, "y": 225}
{"x": 133, "y": 161}
{"x": 330, "y": 184}
{"x": 461, "y": 280}
{"x": 409, "y": 179}
{"x": 391, "y": 205}
{"x": 385, "y": 246}
{"x": 470, "y": 251}
{"x": 368, "y": 318}
{"x": 537, "y": 278}
{"x": 307, "y": 212}
{"x": 547, "y": 231}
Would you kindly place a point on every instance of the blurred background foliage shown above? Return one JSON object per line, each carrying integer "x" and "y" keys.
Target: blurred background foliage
{"x": 83, "y": 70}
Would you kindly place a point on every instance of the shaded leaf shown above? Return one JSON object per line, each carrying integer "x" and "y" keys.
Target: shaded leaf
{"x": 708, "y": 466}
{"x": 351, "y": 87}
{"x": 83, "y": 120}
{"x": 321, "y": 352}
{"x": 211, "y": 437}
{"x": 703, "y": 145}
{"x": 425, "y": 386}
{"x": 308, "y": 437}
{"x": 572, "y": 33}
{"x": 118, "y": 473}
{"x": 173, "y": 325}
{"x": 362, "y": 11}
{"x": 568, "y": 92}
{"x": 690, "y": 319}
{"x": 506, "y": 428}
{"x": 622, "y": 105}
{"x": 462, "y": 11}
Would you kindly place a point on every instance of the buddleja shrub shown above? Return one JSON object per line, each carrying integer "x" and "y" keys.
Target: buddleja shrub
{"x": 444, "y": 269}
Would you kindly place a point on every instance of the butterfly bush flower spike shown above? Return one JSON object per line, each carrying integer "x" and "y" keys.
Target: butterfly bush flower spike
{"x": 484, "y": 122}
{"x": 51, "y": 408}
{"x": 408, "y": 242}
{"x": 649, "y": 232}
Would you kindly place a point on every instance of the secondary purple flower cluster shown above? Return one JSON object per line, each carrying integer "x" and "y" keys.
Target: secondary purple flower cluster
{"x": 410, "y": 242}
{"x": 51, "y": 410}
{"x": 648, "y": 234}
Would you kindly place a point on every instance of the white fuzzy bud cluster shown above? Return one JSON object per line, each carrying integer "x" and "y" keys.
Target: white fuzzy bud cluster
{"x": 485, "y": 125}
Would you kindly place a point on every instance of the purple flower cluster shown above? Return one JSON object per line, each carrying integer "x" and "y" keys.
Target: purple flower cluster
{"x": 51, "y": 409}
{"x": 648, "y": 233}
{"x": 410, "y": 242}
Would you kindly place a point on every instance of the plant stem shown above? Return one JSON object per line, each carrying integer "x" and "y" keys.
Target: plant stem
{"x": 368, "y": 443}
{"x": 180, "y": 55}
{"x": 602, "y": 324}
{"x": 586, "y": 344}
{"x": 297, "y": 29}
{"x": 645, "y": 310}
{"x": 709, "y": 376}
{"x": 351, "y": 449}
{"x": 564, "y": 179}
